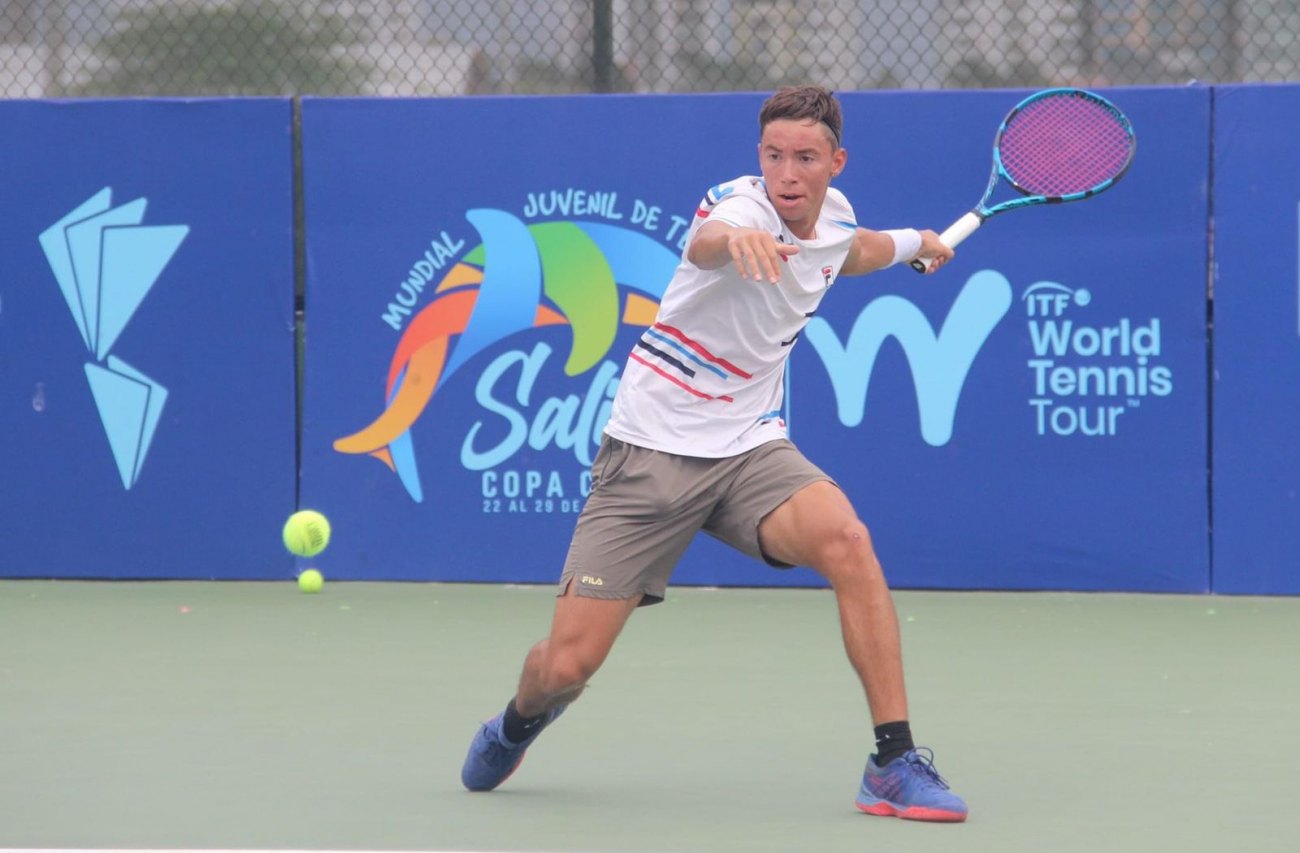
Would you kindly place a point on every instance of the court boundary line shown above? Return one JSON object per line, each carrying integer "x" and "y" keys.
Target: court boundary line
{"x": 213, "y": 850}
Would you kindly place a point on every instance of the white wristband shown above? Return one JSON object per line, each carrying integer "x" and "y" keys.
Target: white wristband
{"x": 907, "y": 244}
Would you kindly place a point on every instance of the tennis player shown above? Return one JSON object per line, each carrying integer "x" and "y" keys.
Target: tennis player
{"x": 696, "y": 441}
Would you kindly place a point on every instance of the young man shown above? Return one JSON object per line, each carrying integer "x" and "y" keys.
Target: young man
{"x": 695, "y": 441}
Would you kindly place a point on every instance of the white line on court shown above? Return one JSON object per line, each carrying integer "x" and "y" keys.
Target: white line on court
{"x": 204, "y": 850}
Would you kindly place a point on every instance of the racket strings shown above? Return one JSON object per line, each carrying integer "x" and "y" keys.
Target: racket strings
{"x": 1063, "y": 144}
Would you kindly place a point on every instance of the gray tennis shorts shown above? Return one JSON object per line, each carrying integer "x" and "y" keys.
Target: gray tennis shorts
{"x": 646, "y": 506}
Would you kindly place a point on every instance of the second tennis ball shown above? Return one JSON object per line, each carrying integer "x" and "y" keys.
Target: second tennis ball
{"x": 310, "y": 581}
{"x": 306, "y": 533}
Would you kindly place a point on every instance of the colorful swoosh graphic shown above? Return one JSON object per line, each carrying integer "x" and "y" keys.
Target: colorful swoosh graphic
{"x": 522, "y": 276}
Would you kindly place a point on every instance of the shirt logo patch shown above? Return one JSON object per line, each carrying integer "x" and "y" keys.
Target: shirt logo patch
{"x": 828, "y": 275}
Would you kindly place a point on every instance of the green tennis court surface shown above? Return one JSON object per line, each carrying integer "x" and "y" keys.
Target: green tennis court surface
{"x": 249, "y": 715}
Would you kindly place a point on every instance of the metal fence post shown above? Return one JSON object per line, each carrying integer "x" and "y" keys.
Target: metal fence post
{"x": 602, "y": 46}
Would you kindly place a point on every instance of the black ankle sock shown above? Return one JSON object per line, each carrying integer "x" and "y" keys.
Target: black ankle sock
{"x": 518, "y": 728}
{"x": 892, "y": 740}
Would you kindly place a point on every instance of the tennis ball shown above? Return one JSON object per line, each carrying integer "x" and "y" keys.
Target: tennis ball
{"x": 306, "y": 533}
{"x": 310, "y": 581}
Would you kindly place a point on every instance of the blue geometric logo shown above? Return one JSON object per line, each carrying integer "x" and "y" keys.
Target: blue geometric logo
{"x": 106, "y": 262}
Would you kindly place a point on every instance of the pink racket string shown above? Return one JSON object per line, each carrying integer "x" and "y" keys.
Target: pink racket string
{"x": 1064, "y": 143}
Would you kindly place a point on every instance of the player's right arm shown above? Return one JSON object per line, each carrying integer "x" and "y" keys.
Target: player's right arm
{"x": 754, "y": 251}
{"x": 876, "y": 250}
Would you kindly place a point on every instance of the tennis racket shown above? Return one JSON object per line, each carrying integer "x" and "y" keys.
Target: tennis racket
{"x": 1055, "y": 146}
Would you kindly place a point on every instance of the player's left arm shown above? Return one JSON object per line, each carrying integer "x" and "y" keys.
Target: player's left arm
{"x": 875, "y": 250}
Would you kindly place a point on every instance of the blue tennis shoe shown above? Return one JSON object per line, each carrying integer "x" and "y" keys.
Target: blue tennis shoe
{"x": 909, "y": 787}
{"x": 492, "y": 758}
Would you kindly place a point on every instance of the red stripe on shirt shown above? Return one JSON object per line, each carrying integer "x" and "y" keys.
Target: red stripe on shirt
{"x": 679, "y": 383}
{"x": 722, "y": 362}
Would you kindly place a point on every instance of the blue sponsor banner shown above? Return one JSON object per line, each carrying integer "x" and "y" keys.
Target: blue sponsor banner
{"x": 1033, "y": 416}
{"x": 1256, "y": 531}
{"x": 146, "y": 339}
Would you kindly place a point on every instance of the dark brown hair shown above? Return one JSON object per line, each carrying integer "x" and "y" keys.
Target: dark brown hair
{"x": 803, "y": 103}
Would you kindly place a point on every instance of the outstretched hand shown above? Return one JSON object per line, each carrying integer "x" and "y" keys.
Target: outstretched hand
{"x": 757, "y": 254}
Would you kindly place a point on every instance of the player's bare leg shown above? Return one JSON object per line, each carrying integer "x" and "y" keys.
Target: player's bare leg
{"x": 583, "y": 631}
{"x": 556, "y": 672}
{"x": 817, "y": 527}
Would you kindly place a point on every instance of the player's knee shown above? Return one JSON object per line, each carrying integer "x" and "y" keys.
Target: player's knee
{"x": 566, "y": 671}
{"x": 845, "y": 550}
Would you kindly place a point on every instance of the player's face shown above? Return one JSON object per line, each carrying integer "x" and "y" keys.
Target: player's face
{"x": 798, "y": 159}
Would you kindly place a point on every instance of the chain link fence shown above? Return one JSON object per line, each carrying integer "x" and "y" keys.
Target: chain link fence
{"x": 111, "y": 48}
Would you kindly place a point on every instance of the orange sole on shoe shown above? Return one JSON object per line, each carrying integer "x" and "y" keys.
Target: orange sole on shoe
{"x": 884, "y": 809}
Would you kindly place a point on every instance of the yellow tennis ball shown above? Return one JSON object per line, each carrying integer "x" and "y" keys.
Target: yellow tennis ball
{"x": 306, "y": 533}
{"x": 310, "y": 581}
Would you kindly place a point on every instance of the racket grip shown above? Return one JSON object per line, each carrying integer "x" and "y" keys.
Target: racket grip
{"x": 952, "y": 237}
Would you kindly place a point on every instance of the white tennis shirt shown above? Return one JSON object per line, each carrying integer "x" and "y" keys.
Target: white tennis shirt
{"x": 707, "y": 379}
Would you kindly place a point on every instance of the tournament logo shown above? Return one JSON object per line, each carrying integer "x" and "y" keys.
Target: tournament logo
{"x": 1089, "y": 378}
{"x": 523, "y": 276}
{"x": 105, "y": 262}
{"x": 940, "y": 361}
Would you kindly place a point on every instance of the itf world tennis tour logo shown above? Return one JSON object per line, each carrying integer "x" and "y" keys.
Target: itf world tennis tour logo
{"x": 1089, "y": 379}
{"x": 105, "y": 262}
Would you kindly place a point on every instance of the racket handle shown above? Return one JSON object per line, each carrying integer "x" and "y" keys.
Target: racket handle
{"x": 956, "y": 232}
